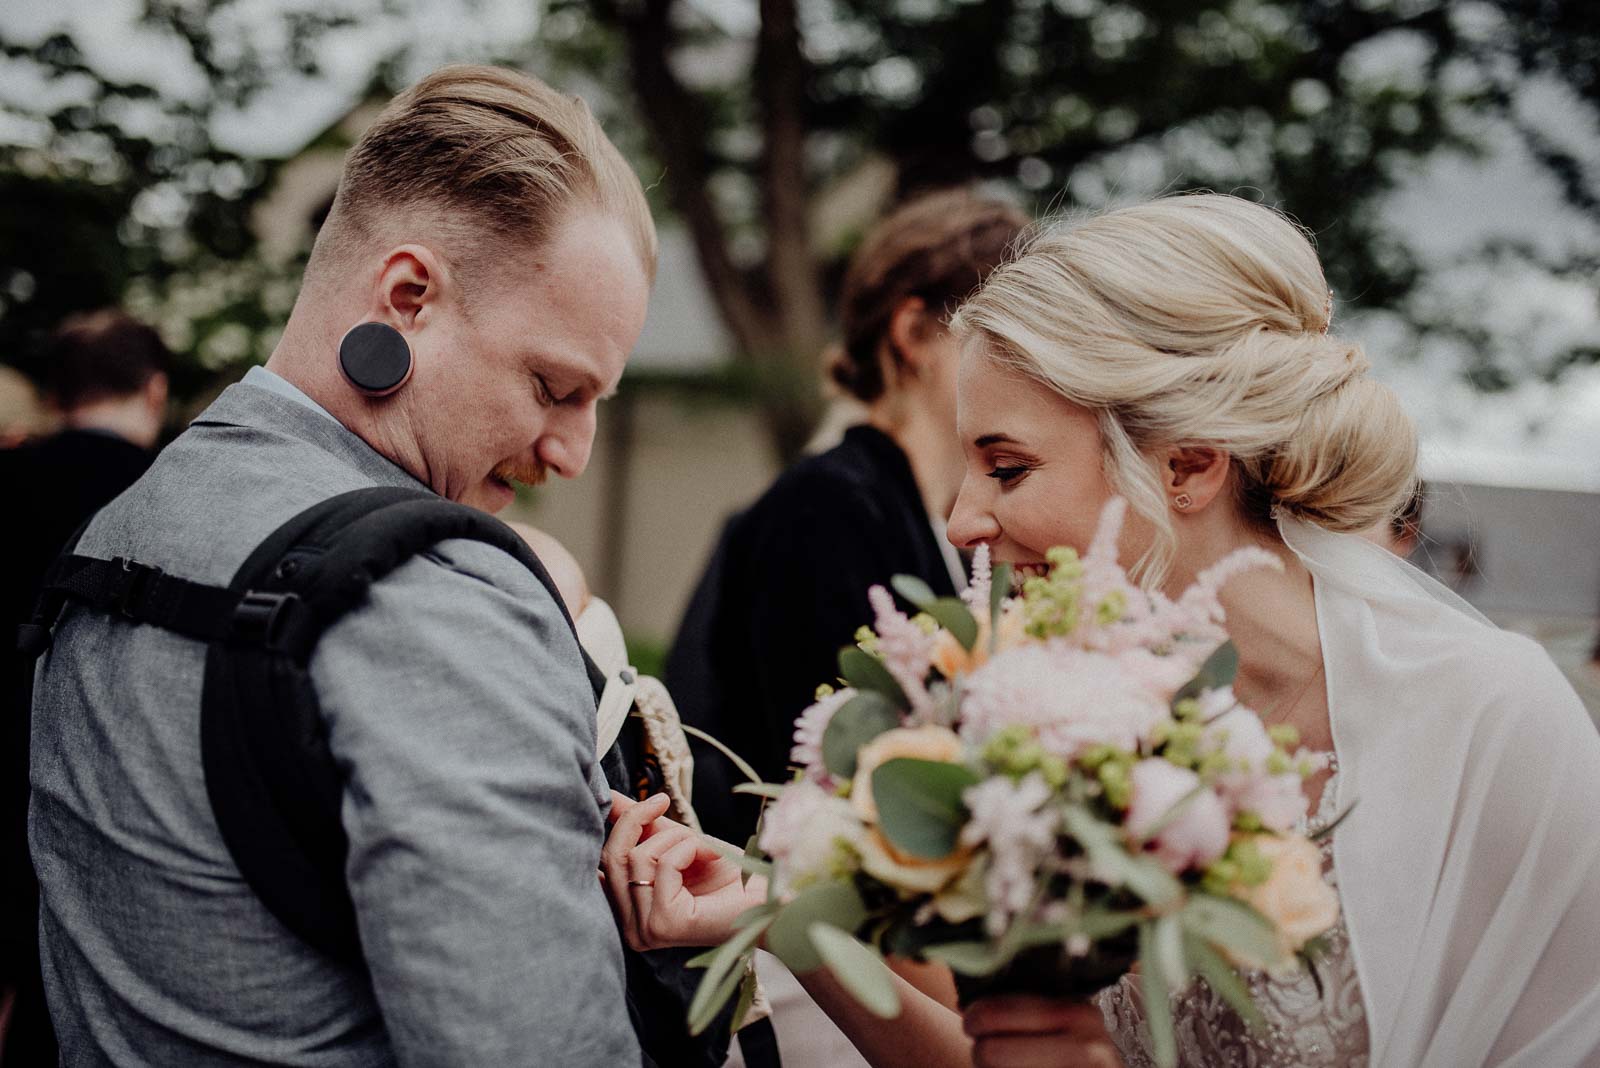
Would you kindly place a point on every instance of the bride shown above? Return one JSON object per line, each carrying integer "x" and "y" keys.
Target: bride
{"x": 1177, "y": 353}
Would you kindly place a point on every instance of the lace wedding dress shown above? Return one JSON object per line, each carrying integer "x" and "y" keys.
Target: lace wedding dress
{"x": 1305, "y": 1027}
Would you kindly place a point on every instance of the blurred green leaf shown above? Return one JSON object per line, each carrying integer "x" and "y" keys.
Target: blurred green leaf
{"x": 914, "y": 590}
{"x": 858, "y": 721}
{"x": 999, "y": 590}
{"x": 866, "y": 673}
{"x": 1221, "y": 977}
{"x": 770, "y": 790}
{"x": 1157, "y": 1007}
{"x": 859, "y": 970}
{"x": 966, "y": 958}
{"x": 954, "y": 616}
{"x": 789, "y": 938}
{"x": 1118, "y": 867}
{"x": 1219, "y": 670}
{"x": 1234, "y": 926}
{"x": 724, "y": 972}
{"x": 920, "y": 810}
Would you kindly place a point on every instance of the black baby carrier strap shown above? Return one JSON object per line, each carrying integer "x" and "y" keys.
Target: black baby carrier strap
{"x": 272, "y": 781}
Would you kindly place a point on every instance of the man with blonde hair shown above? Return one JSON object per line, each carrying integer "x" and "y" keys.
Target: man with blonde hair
{"x": 473, "y": 295}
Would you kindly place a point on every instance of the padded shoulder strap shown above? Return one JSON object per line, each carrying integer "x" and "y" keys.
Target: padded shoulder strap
{"x": 274, "y": 787}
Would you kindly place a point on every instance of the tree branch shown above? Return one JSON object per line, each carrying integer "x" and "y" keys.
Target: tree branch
{"x": 780, "y": 74}
{"x": 677, "y": 127}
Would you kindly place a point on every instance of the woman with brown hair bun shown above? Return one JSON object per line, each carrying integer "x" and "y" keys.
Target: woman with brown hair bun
{"x": 786, "y": 587}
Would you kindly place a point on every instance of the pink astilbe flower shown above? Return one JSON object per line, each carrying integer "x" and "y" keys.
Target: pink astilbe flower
{"x": 906, "y": 650}
{"x": 1020, "y": 834}
{"x": 808, "y": 732}
{"x": 976, "y": 595}
{"x": 1200, "y": 610}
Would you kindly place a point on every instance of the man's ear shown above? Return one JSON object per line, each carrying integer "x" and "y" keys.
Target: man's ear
{"x": 1198, "y": 472}
{"x": 410, "y": 286}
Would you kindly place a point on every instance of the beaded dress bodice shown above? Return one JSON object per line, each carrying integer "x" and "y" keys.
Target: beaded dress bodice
{"x": 1307, "y": 1026}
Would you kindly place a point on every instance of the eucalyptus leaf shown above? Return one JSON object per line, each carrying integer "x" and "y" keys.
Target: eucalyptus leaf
{"x": 770, "y": 790}
{"x": 721, "y": 978}
{"x": 1221, "y": 977}
{"x": 1172, "y": 813}
{"x": 866, "y": 674}
{"x": 859, "y": 970}
{"x": 1157, "y": 1009}
{"x": 953, "y": 615}
{"x": 1101, "y": 923}
{"x": 920, "y": 810}
{"x": 747, "y": 998}
{"x": 858, "y": 721}
{"x": 1219, "y": 670}
{"x": 966, "y": 958}
{"x": 1234, "y": 926}
{"x": 755, "y": 914}
{"x": 1167, "y": 934}
{"x": 999, "y": 590}
{"x": 1115, "y": 865}
{"x": 836, "y": 903}
{"x": 1322, "y": 833}
{"x": 914, "y": 590}
{"x": 709, "y": 999}
{"x": 703, "y": 959}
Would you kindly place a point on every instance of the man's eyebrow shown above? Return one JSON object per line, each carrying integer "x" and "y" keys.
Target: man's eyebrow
{"x": 993, "y": 439}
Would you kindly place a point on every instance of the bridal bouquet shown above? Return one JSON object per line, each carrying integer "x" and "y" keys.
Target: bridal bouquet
{"x": 1040, "y": 791}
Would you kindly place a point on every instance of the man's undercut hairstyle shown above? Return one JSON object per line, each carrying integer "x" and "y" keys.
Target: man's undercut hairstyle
{"x": 100, "y": 355}
{"x": 501, "y": 154}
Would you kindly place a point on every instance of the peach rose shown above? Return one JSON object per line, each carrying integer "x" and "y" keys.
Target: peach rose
{"x": 881, "y": 860}
{"x": 952, "y": 660}
{"x": 1295, "y": 897}
{"x": 918, "y": 743}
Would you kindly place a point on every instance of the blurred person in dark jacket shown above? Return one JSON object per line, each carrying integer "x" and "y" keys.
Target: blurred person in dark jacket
{"x": 104, "y": 376}
{"x": 787, "y": 583}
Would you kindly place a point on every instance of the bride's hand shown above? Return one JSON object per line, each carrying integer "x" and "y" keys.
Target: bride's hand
{"x": 669, "y": 886}
{"x": 1022, "y": 1031}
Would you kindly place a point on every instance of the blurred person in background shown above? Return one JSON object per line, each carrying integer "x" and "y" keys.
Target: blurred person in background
{"x": 104, "y": 379}
{"x": 1401, "y": 533}
{"x": 22, "y": 415}
{"x": 787, "y": 584}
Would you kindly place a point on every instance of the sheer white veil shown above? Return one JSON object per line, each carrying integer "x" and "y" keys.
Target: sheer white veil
{"x": 1470, "y": 869}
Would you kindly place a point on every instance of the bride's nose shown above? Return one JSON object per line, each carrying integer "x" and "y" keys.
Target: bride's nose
{"x": 970, "y": 522}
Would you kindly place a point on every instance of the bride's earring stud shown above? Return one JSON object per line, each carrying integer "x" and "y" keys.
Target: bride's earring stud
{"x": 375, "y": 359}
{"x": 1183, "y": 502}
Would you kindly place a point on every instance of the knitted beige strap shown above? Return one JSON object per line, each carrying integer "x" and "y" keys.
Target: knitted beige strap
{"x": 664, "y": 731}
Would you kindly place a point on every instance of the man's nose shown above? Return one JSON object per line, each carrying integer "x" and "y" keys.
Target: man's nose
{"x": 567, "y": 441}
{"x": 970, "y": 522}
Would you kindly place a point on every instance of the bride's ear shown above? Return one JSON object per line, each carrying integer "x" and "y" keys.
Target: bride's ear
{"x": 1194, "y": 476}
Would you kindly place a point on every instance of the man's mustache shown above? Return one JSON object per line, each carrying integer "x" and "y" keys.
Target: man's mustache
{"x": 527, "y": 472}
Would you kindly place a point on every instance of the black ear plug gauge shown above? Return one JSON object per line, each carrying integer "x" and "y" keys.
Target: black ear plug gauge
{"x": 375, "y": 359}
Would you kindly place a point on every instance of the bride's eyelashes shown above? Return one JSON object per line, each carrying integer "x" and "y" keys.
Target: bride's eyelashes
{"x": 1009, "y": 474}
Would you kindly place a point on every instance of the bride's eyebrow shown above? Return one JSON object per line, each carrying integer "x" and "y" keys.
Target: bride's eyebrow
{"x": 994, "y": 439}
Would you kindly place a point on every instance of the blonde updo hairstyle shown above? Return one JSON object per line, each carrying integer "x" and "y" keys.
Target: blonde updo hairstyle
{"x": 1202, "y": 320}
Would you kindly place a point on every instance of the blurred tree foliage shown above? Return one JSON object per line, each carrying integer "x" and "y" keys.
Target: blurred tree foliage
{"x": 112, "y": 191}
{"x": 1319, "y": 106}
{"x": 753, "y": 114}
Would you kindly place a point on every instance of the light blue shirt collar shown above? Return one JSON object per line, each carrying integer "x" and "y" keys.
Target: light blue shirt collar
{"x": 262, "y": 378}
